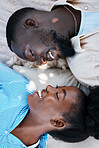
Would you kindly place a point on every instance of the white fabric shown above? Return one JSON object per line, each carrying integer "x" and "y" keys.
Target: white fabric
{"x": 88, "y": 143}
{"x": 85, "y": 63}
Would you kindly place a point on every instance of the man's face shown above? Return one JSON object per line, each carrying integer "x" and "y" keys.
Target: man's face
{"x": 40, "y": 42}
{"x": 37, "y": 47}
{"x": 52, "y": 103}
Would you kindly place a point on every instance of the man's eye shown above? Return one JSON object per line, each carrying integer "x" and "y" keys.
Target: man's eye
{"x": 51, "y": 55}
{"x": 31, "y": 52}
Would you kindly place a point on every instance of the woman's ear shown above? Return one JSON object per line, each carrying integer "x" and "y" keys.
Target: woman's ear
{"x": 59, "y": 123}
{"x": 30, "y": 23}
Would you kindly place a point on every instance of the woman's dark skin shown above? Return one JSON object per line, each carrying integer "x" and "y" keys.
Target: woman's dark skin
{"x": 46, "y": 114}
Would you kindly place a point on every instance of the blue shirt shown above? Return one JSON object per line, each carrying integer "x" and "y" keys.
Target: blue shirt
{"x": 89, "y": 22}
{"x": 13, "y": 107}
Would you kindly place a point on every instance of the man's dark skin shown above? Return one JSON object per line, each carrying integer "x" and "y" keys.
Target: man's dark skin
{"x": 30, "y": 45}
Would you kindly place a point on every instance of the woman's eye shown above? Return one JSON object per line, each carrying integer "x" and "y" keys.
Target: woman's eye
{"x": 51, "y": 55}
{"x": 57, "y": 96}
{"x": 56, "y": 86}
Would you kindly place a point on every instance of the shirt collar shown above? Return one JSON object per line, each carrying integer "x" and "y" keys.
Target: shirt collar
{"x": 76, "y": 44}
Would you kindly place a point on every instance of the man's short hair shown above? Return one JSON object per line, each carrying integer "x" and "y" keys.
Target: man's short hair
{"x": 13, "y": 25}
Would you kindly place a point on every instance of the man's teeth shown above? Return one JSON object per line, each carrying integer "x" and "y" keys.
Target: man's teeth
{"x": 39, "y": 92}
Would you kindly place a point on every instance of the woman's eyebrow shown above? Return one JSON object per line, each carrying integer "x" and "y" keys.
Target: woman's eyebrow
{"x": 64, "y": 93}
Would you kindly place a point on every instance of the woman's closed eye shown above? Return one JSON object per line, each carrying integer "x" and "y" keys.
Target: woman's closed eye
{"x": 57, "y": 96}
{"x": 63, "y": 95}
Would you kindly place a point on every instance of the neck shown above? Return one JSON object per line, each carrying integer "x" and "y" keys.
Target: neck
{"x": 76, "y": 18}
{"x": 70, "y": 19}
{"x": 29, "y": 131}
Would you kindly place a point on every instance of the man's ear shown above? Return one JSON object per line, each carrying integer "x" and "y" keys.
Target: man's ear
{"x": 59, "y": 123}
{"x": 30, "y": 23}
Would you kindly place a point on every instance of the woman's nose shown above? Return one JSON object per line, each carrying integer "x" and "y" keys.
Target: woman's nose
{"x": 43, "y": 60}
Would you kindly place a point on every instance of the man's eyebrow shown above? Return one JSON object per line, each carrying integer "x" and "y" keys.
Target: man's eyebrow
{"x": 64, "y": 93}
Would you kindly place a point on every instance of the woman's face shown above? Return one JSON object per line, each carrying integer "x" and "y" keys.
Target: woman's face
{"x": 52, "y": 103}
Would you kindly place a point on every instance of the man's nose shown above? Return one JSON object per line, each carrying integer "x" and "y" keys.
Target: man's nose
{"x": 43, "y": 60}
{"x": 40, "y": 59}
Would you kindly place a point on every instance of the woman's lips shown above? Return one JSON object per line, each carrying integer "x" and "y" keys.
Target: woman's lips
{"x": 39, "y": 94}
